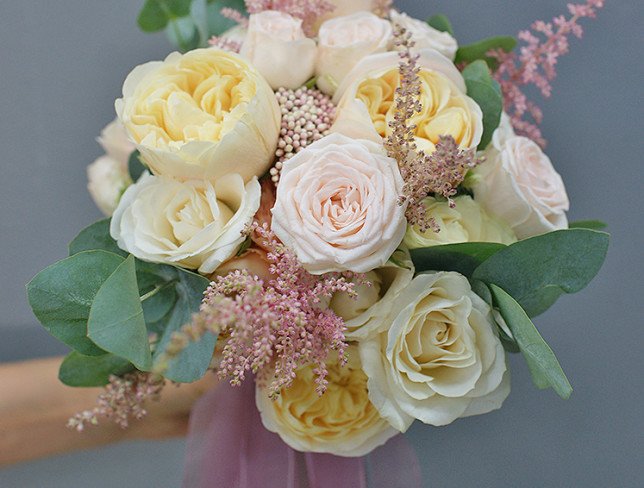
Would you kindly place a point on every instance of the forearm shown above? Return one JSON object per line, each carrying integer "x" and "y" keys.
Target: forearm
{"x": 35, "y": 407}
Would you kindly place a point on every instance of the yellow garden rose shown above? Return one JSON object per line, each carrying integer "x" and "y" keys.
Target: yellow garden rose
{"x": 366, "y": 101}
{"x": 466, "y": 222}
{"x": 342, "y": 421}
{"x": 201, "y": 115}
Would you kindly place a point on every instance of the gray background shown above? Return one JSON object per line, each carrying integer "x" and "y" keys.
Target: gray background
{"x": 61, "y": 67}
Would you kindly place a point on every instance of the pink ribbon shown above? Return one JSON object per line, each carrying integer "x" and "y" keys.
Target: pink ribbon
{"x": 228, "y": 447}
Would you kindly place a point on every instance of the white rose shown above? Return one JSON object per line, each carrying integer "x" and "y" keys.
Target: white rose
{"x": 466, "y": 222}
{"x": 518, "y": 183}
{"x": 279, "y": 49}
{"x": 366, "y": 314}
{"x": 107, "y": 180}
{"x": 441, "y": 358}
{"x": 201, "y": 115}
{"x": 425, "y": 36}
{"x": 342, "y": 421}
{"x": 116, "y": 143}
{"x": 195, "y": 224}
{"x": 337, "y": 205}
{"x": 366, "y": 99}
{"x": 343, "y": 41}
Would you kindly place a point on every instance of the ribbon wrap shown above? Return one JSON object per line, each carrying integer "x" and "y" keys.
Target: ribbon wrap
{"x": 228, "y": 447}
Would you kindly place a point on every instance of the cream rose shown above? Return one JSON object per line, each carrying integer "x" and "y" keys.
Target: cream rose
{"x": 425, "y": 36}
{"x": 466, "y": 222}
{"x": 116, "y": 143}
{"x": 365, "y": 315}
{"x": 366, "y": 101}
{"x": 343, "y": 41}
{"x": 201, "y": 115}
{"x": 518, "y": 183}
{"x": 279, "y": 49}
{"x": 107, "y": 180}
{"x": 337, "y": 206}
{"x": 342, "y": 421}
{"x": 195, "y": 224}
{"x": 441, "y": 358}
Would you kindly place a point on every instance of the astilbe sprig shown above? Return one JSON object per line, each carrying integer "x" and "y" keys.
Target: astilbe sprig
{"x": 122, "y": 399}
{"x": 272, "y": 329}
{"x": 535, "y": 64}
{"x": 439, "y": 172}
{"x": 307, "y": 10}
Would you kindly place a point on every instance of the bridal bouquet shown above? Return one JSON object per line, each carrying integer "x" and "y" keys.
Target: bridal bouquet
{"x": 334, "y": 206}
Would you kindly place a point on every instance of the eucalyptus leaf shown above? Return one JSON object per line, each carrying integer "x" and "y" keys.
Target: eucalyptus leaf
{"x": 479, "y": 50}
{"x": 116, "y": 321}
{"x": 199, "y": 16}
{"x": 441, "y": 22}
{"x": 79, "y": 370}
{"x": 463, "y": 257}
{"x": 536, "y": 271}
{"x": 544, "y": 367}
{"x": 486, "y": 92}
{"x": 588, "y": 224}
{"x": 182, "y": 33}
{"x": 192, "y": 363}
{"x": 135, "y": 167}
{"x": 156, "y": 14}
{"x": 95, "y": 237}
{"x": 61, "y": 296}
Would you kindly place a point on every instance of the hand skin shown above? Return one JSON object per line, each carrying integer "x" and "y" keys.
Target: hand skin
{"x": 35, "y": 407}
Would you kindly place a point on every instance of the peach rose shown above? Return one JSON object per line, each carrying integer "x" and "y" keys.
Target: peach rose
{"x": 337, "y": 206}
{"x": 343, "y": 41}
{"x": 519, "y": 184}
{"x": 279, "y": 49}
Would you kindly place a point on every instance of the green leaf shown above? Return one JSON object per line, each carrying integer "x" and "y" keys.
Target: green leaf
{"x": 135, "y": 167}
{"x": 478, "y": 50}
{"x": 486, "y": 92}
{"x": 463, "y": 258}
{"x": 441, "y": 22}
{"x": 218, "y": 24}
{"x": 161, "y": 300}
{"x": 192, "y": 363}
{"x": 588, "y": 224}
{"x": 536, "y": 271}
{"x": 116, "y": 321}
{"x": 62, "y": 294}
{"x": 156, "y": 14}
{"x": 80, "y": 370}
{"x": 199, "y": 15}
{"x": 544, "y": 367}
{"x": 96, "y": 236}
{"x": 182, "y": 33}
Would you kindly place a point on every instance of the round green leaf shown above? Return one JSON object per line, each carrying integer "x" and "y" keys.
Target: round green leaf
{"x": 80, "y": 370}
{"x": 62, "y": 294}
{"x": 116, "y": 321}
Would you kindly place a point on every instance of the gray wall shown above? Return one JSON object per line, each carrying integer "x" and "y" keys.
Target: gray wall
{"x": 61, "y": 67}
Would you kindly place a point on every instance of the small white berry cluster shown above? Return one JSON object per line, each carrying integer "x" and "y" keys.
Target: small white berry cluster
{"x": 307, "y": 115}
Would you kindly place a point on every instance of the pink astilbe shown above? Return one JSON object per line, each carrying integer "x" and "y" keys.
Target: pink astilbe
{"x": 234, "y": 15}
{"x": 225, "y": 43}
{"x": 439, "y": 172}
{"x": 122, "y": 399}
{"x": 535, "y": 64}
{"x": 307, "y": 10}
{"x": 272, "y": 329}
